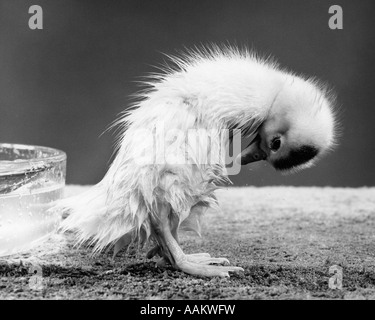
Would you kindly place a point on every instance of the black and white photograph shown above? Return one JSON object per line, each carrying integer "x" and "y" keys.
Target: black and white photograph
{"x": 190, "y": 155}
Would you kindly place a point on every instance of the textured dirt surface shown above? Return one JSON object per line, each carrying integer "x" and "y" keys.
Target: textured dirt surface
{"x": 285, "y": 238}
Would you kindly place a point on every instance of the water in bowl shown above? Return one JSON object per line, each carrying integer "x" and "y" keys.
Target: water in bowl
{"x": 27, "y": 191}
{"x": 24, "y": 218}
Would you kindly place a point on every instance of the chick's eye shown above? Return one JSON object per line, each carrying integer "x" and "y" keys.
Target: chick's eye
{"x": 275, "y": 144}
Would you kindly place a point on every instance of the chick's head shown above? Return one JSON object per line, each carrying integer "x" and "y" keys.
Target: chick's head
{"x": 300, "y": 127}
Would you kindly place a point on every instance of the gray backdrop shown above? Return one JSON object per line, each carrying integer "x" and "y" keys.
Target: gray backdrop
{"x": 62, "y": 86}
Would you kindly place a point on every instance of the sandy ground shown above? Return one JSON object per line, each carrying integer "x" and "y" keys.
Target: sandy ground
{"x": 285, "y": 238}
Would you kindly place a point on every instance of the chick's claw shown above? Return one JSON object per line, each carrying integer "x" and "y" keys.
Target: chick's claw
{"x": 198, "y": 258}
{"x": 200, "y": 254}
{"x": 205, "y": 270}
{"x": 205, "y": 258}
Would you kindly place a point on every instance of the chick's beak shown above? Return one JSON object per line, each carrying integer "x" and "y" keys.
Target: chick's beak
{"x": 251, "y": 153}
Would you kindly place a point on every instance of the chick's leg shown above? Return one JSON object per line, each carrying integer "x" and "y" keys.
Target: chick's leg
{"x": 203, "y": 258}
{"x": 163, "y": 261}
{"x": 198, "y": 264}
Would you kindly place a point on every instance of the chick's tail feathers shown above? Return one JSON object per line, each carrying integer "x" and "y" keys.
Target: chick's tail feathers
{"x": 88, "y": 217}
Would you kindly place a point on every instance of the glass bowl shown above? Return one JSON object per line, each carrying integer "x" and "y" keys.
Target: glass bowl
{"x": 32, "y": 178}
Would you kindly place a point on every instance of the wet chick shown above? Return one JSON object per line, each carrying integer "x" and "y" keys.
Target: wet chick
{"x": 172, "y": 151}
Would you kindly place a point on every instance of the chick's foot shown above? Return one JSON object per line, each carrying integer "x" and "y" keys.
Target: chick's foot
{"x": 201, "y": 266}
{"x": 196, "y": 258}
{"x": 205, "y": 258}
